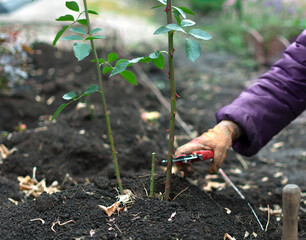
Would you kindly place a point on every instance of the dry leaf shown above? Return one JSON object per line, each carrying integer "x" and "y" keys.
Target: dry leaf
{"x": 110, "y": 210}
{"x": 31, "y": 187}
{"x": 124, "y": 199}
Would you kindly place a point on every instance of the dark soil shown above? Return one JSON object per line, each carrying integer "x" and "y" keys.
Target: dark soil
{"x": 78, "y": 145}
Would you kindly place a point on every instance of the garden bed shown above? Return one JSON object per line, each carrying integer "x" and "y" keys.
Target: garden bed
{"x": 74, "y": 155}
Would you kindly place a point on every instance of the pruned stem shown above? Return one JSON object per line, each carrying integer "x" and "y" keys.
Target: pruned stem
{"x": 152, "y": 175}
{"x": 173, "y": 102}
{"x": 106, "y": 113}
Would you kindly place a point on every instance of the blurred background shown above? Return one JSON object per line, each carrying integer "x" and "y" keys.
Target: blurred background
{"x": 248, "y": 37}
{"x": 236, "y": 25}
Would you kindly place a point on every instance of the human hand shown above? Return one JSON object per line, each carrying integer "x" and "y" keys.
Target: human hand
{"x": 219, "y": 139}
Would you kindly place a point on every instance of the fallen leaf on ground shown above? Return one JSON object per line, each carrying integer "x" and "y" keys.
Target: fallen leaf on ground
{"x": 111, "y": 209}
{"x": 125, "y": 198}
{"x": 31, "y": 187}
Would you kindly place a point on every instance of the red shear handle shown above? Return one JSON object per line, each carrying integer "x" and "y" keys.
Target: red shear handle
{"x": 202, "y": 155}
{"x": 206, "y": 154}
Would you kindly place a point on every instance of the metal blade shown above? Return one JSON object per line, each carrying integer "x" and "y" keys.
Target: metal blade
{"x": 226, "y": 178}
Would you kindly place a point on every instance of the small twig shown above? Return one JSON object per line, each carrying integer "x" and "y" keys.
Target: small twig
{"x": 118, "y": 228}
{"x": 179, "y": 193}
{"x": 38, "y": 219}
{"x": 266, "y": 229}
{"x": 242, "y": 161}
{"x": 146, "y": 191}
{"x": 60, "y": 224}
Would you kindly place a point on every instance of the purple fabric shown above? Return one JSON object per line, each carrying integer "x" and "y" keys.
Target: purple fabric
{"x": 270, "y": 104}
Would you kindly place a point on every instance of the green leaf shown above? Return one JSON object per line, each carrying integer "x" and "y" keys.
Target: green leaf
{"x": 175, "y": 27}
{"x": 187, "y": 10}
{"x": 67, "y": 17}
{"x": 192, "y": 49}
{"x": 176, "y": 15}
{"x": 161, "y": 30}
{"x": 180, "y": 11}
{"x": 168, "y": 28}
{"x": 95, "y": 37}
{"x": 120, "y": 67}
{"x": 91, "y": 89}
{"x": 72, "y": 37}
{"x": 72, "y": 5}
{"x": 159, "y": 62}
{"x": 145, "y": 59}
{"x": 121, "y": 61}
{"x": 81, "y": 50}
{"x": 164, "y": 2}
{"x": 187, "y": 23}
{"x": 198, "y": 33}
{"x": 93, "y": 12}
{"x": 70, "y": 95}
{"x": 154, "y": 55}
{"x": 112, "y": 57}
{"x": 59, "y": 110}
{"x": 100, "y": 60}
{"x": 107, "y": 70}
{"x": 129, "y": 76}
{"x": 161, "y": 5}
{"x": 96, "y": 30}
{"x": 136, "y": 60}
{"x": 78, "y": 30}
{"x": 82, "y": 21}
{"x": 59, "y": 34}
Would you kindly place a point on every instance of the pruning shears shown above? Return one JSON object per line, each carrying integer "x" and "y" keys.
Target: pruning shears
{"x": 209, "y": 155}
{"x": 193, "y": 157}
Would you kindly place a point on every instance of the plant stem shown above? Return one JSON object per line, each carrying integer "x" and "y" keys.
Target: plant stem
{"x": 106, "y": 113}
{"x": 173, "y": 102}
{"x": 152, "y": 175}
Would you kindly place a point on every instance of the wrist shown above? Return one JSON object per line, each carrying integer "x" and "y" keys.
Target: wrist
{"x": 231, "y": 128}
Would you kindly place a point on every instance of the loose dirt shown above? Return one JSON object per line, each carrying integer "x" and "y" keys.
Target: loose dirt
{"x": 75, "y": 153}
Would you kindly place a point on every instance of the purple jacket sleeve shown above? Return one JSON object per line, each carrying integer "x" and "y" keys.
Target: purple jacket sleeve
{"x": 270, "y": 104}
